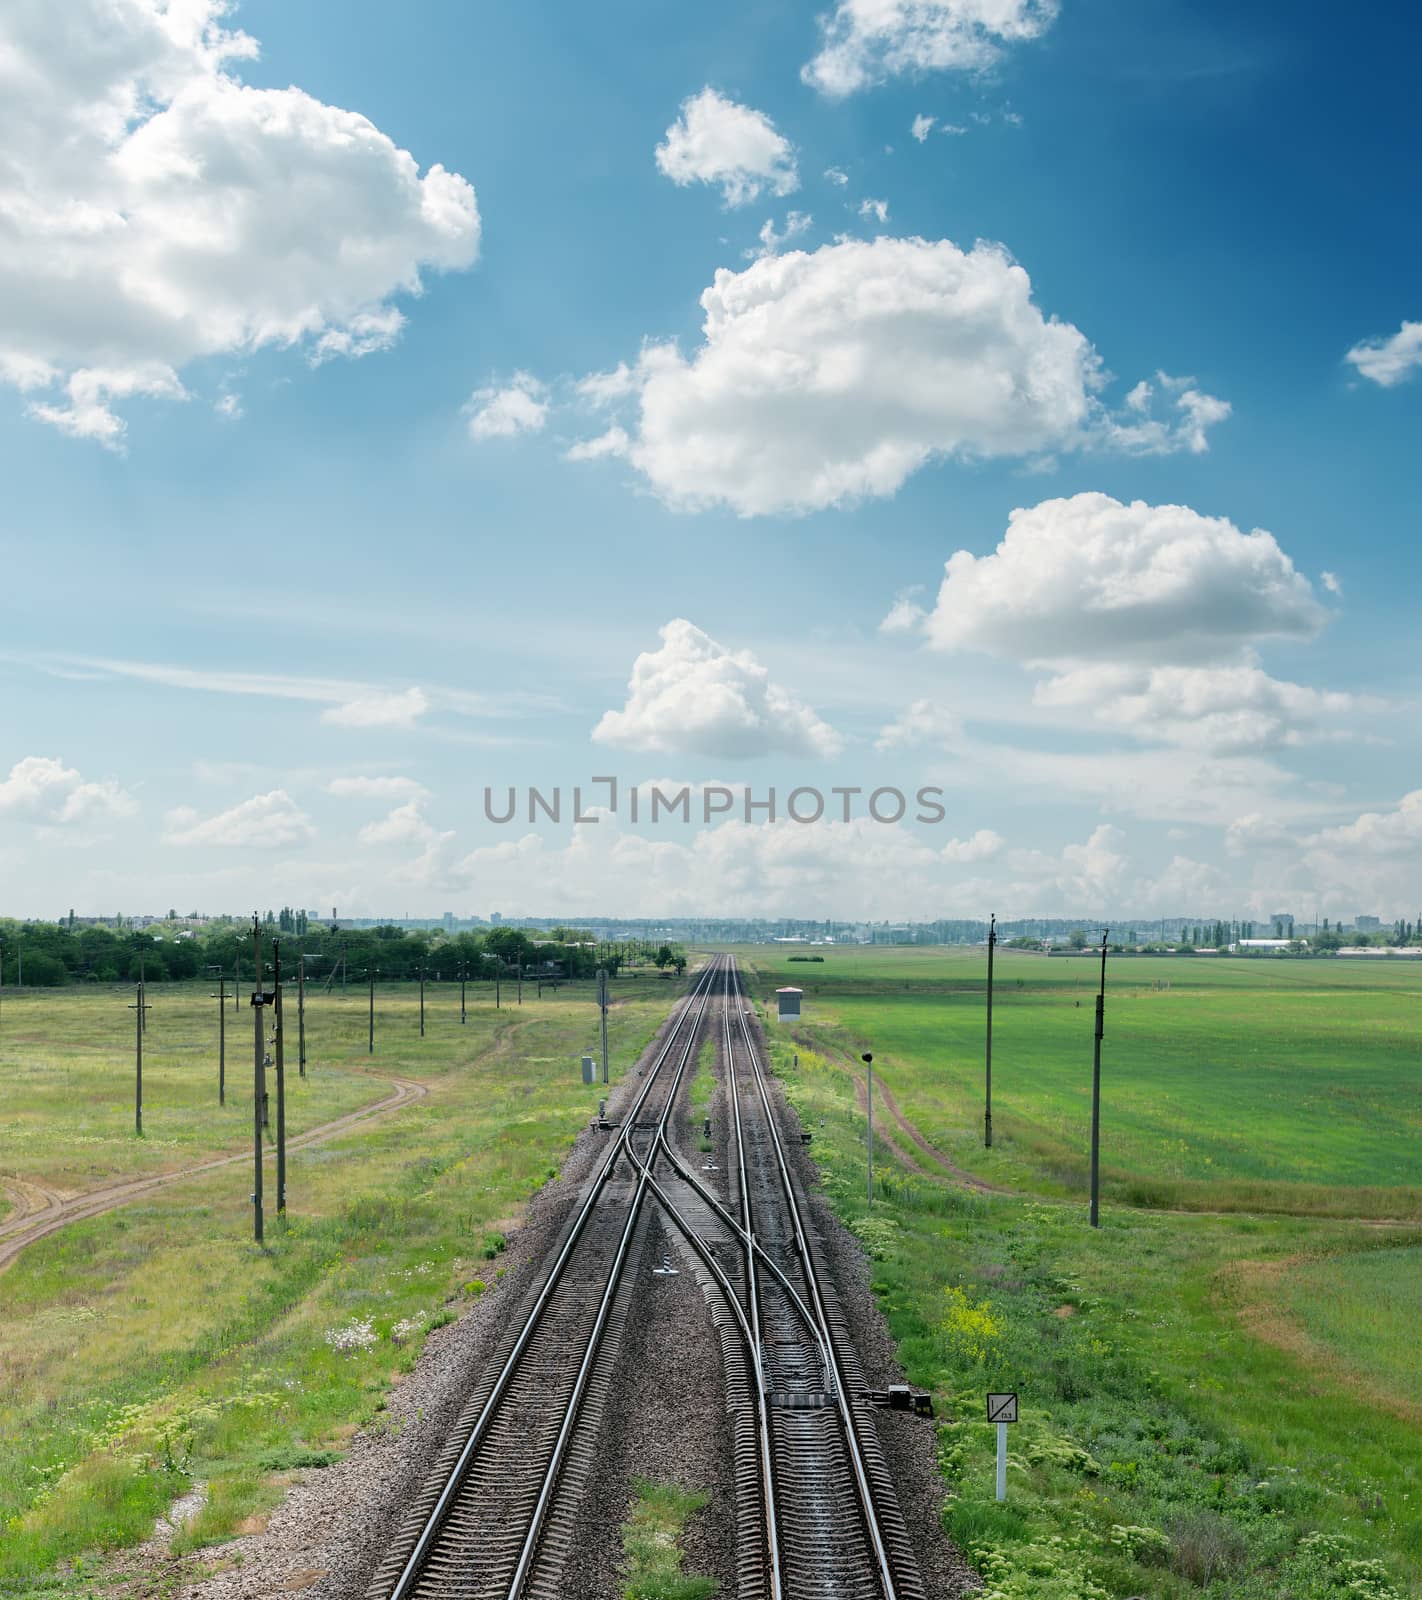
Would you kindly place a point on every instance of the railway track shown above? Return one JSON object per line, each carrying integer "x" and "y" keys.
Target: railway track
{"x": 815, "y": 1511}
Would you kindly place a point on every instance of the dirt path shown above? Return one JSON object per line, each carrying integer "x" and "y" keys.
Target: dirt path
{"x": 46, "y": 1211}
{"x": 30, "y": 1200}
{"x": 1251, "y": 1289}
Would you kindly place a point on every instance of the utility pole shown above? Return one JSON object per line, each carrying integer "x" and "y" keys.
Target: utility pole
{"x": 139, "y": 1006}
{"x": 498, "y": 973}
{"x": 236, "y": 979}
{"x": 463, "y": 983}
{"x": 258, "y": 1079}
{"x": 987, "y": 1114}
{"x": 301, "y": 1016}
{"x": 343, "y": 972}
{"x": 422, "y": 999}
{"x": 281, "y": 1079}
{"x": 520, "y": 980}
{"x": 221, "y": 1038}
{"x": 602, "y": 1006}
{"x": 370, "y": 1044}
{"x": 868, "y": 1061}
{"x": 142, "y": 994}
{"x": 1096, "y": 1092}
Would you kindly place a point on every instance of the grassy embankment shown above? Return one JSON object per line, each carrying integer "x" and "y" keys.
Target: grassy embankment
{"x": 1212, "y": 1404}
{"x": 156, "y": 1346}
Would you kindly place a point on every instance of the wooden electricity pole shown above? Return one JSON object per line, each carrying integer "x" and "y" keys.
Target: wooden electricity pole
{"x": 422, "y": 999}
{"x": 1096, "y": 1091}
{"x": 139, "y": 1006}
{"x": 520, "y": 980}
{"x": 463, "y": 982}
{"x": 370, "y": 1044}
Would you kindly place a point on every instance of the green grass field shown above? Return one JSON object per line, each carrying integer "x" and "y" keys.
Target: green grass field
{"x": 156, "y": 1344}
{"x": 1210, "y": 1397}
{"x": 1244, "y": 1085}
{"x": 1365, "y": 1310}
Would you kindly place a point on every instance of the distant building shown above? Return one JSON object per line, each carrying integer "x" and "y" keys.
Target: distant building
{"x": 496, "y": 917}
{"x": 1367, "y": 924}
{"x": 1283, "y": 924}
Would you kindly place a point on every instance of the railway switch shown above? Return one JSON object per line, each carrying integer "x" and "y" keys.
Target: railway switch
{"x": 900, "y": 1397}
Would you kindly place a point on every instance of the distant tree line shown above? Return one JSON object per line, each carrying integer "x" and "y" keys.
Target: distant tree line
{"x": 54, "y": 954}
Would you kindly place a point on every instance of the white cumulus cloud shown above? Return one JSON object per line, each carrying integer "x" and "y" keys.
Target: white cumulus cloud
{"x": 385, "y": 788}
{"x": 1230, "y": 709}
{"x": 520, "y": 406}
{"x": 693, "y": 696}
{"x": 718, "y": 141}
{"x": 1090, "y": 578}
{"x": 270, "y": 821}
{"x": 379, "y": 709}
{"x": 156, "y": 210}
{"x": 830, "y": 375}
{"x": 1389, "y": 361}
{"x": 922, "y": 127}
{"x": 771, "y": 242}
{"x": 42, "y": 789}
{"x": 923, "y": 722}
{"x": 866, "y": 41}
{"x": 980, "y": 846}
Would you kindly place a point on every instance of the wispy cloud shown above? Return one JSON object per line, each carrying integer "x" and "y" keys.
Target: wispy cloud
{"x": 350, "y": 702}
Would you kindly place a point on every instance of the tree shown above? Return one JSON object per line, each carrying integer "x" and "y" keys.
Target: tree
{"x": 1077, "y": 939}
{"x": 679, "y": 962}
{"x": 664, "y": 957}
{"x": 511, "y": 945}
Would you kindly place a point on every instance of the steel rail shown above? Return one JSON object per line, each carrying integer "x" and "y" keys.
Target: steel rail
{"x": 861, "y": 1476}
{"x": 415, "y": 1562}
{"x": 753, "y": 1297}
{"x": 751, "y": 1339}
{"x": 570, "y": 1416}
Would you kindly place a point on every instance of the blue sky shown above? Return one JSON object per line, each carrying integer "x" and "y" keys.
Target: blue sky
{"x": 245, "y": 562}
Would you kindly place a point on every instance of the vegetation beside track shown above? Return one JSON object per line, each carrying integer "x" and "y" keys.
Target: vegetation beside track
{"x": 155, "y": 1346}
{"x": 651, "y": 1543}
{"x": 1168, "y": 1447}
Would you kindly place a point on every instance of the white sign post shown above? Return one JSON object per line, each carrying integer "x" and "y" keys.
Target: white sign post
{"x": 1002, "y": 1409}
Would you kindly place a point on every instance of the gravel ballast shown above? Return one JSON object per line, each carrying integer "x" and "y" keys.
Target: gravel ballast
{"x": 335, "y": 1525}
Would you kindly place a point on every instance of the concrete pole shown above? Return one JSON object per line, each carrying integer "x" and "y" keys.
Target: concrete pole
{"x": 370, "y": 1042}
{"x": 987, "y": 1114}
{"x": 1002, "y": 1461}
{"x": 258, "y": 1084}
{"x": 422, "y": 999}
{"x": 1096, "y": 1092}
{"x": 280, "y": 1079}
{"x": 221, "y": 1040}
{"x": 301, "y": 1016}
{"x": 138, "y": 1063}
{"x": 602, "y": 1003}
{"x": 868, "y": 1061}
